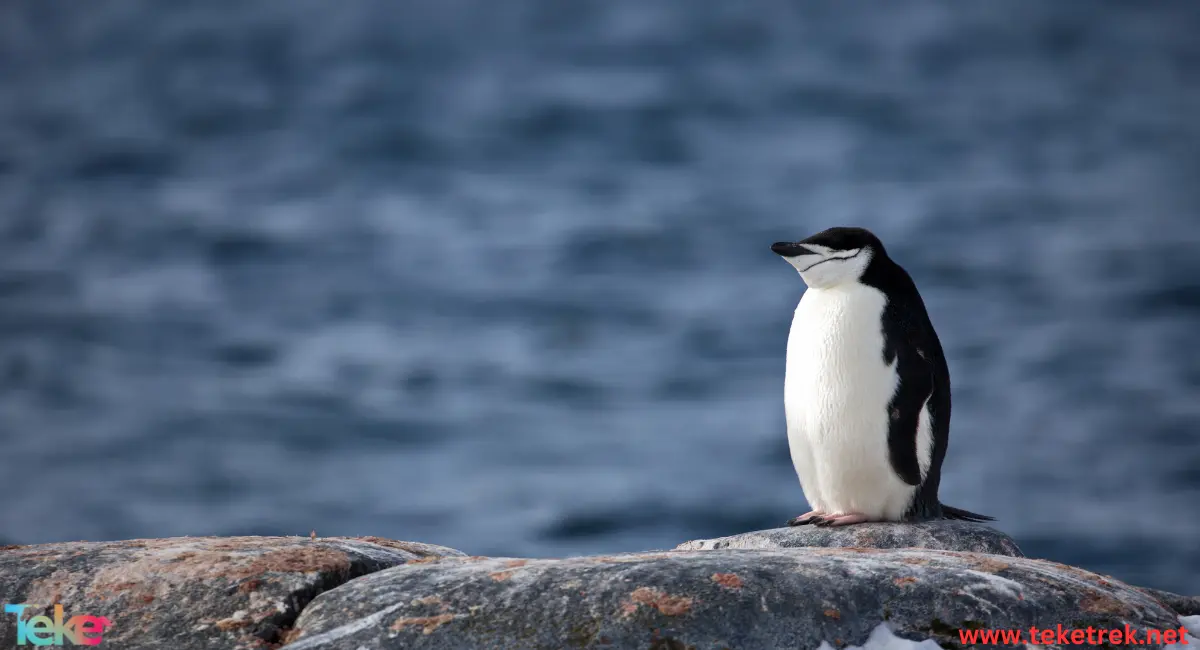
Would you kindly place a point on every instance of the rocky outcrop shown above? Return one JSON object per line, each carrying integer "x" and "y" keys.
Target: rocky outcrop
{"x": 191, "y": 592}
{"x": 676, "y": 600}
{"x": 789, "y": 588}
{"x": 938, "y": 535}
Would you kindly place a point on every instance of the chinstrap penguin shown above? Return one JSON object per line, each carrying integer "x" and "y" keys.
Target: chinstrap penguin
{"x": 867, "y": 388}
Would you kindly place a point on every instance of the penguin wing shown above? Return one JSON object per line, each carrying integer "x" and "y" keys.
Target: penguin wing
{"x": 911, "y": 344}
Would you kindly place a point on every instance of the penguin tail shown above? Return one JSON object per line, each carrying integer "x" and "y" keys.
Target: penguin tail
{"x": 950, "y": 512}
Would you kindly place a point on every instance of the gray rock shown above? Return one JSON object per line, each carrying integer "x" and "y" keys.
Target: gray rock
{"x": 743, "y": 599}
{"x": 1183, "y": 605}
{"x": 939, "y": 535}
{"x": 190, "y": 592}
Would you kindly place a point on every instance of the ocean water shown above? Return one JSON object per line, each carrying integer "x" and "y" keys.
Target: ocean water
{"x": 496, "y": 275}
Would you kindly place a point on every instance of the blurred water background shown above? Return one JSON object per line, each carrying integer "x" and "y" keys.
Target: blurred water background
{"x": 496, "y": 274}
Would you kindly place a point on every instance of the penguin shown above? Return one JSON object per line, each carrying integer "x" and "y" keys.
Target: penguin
{"x": 867, "y": 387}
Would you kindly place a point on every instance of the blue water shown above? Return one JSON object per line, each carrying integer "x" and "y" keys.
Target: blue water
{"x": 496, "y": 274}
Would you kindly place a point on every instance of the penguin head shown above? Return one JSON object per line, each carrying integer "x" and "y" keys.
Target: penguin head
{"x": 832, "y": 257}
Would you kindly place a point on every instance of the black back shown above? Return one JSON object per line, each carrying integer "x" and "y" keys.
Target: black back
{"x": 910, "y": 340}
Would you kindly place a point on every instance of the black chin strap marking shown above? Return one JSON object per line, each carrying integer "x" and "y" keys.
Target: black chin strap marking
{"x": 831, "y": 259}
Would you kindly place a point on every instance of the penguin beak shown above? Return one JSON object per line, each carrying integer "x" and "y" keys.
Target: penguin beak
{"x": 789, "y": 249}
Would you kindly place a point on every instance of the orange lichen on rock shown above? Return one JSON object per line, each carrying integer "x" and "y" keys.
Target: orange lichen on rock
{"x": 298, "y": 560}
{"x": 1101, "y": 603}
{"x": 500, "y": 576}
{"x": 663, "y": 602}
{"x": 428, "y": 600}
{"x": 232, "y": 623}
{"x": 728, "y": 580}
{"x": 989, "y": 565}
{"x": 428, "y": 623}
{"x": 249, "y": 585}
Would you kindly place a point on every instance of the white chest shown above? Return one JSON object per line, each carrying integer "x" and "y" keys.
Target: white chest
{"x": 835, "y": 354}
{"x": 836, "y": 396}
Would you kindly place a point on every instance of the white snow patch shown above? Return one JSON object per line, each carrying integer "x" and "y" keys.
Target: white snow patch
{"x": 1192, "y": 623}
{"x": 882, "y": 638}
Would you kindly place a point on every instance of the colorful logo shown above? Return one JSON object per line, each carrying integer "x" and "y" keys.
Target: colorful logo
{"x": 42, "y": 630}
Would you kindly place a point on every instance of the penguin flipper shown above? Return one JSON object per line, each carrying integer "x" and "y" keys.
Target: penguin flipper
{"x": 908, "y": 345}
{"x": 904, "y": 419}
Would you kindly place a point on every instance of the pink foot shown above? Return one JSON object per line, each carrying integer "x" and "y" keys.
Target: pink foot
{"x": 807, "y": 518}
{"x": 843, "y": 520}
